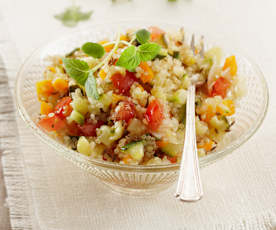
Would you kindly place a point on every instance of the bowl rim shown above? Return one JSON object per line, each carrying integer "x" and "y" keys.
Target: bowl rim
{"x": 87, "y": 162}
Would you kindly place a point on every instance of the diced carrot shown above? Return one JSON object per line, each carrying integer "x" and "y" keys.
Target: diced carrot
{"x": 46, "y": 108}
{"x": 44, "y": 89}
{"x": 107, "y": 48}
{"x": 148, "y": 75}
{"x": 161, "y": 143}
{"x": 126, "y": 159}
{"x": 102, "y": 74}
{"x": 155, "y": 33}
{"x": 61, "y": 85}
{"x": 208, "y": 145}
{"x": 231, "y": 63}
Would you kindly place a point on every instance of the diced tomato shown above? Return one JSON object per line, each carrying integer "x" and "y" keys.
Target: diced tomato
{"x": 73, "y": 129}
{"x": 88, "y": 129}
{"x": 155, "y": 33}
{"x": 53, "y": 123}
{"x": 63, "y": 108}
{"x": 220, "y": 87}
{"x": 154, "y": 115}
{"x": 123, "y": 83}
{"x": 172, "y": 159}
{"x": 125, "y": 111}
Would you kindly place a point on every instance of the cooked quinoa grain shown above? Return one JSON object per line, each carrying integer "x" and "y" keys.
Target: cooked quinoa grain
{"x": 133, "y": 112}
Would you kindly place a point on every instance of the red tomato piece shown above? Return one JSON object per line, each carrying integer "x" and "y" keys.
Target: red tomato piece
{"x": 125, "y": 111}
{"x": 73, "y": 129}
{"x": 172, "y": 159}
{"x": 123, "y": 83}
{"x": 88, "y": 129}
{"x": 63, "y": 108}
{"x": 154, "y": 115}
{"x": 220, "y": 87}
{"x": 53, "y": 123}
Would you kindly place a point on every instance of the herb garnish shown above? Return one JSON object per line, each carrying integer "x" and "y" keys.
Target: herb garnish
{"x": 132, "y": 56}
{"x": 79, "y": 70}
{"x": 93, "y": 49}
{"x": 142, "y": 36}
{"x": 72, "y": 15}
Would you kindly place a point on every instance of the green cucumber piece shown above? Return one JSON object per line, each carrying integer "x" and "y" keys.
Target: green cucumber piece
{"x": 135, "y": 149}
{"x": 83, "y": 146}
{"x": 172, "y": 149}
{"x": 179, "y": 97}
{"x": 106, "y": 100}
{"x": 76, "y": 116}
{"x": 220, "y": 123}
{"x": 80, "y": 104}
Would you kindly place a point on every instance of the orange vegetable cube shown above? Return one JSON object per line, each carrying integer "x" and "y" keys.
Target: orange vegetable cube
{"x": 208, "y": 145}
{"x": 46, "y": 108}
{"x": 123, "y": 37}
{"x": 155, "y": 33}
{"x": 44, "y": 89}
{"x": 231, "y": 63}
{"x": 61, "y": 85}
{"x": 107, "y": 48}
{"x": 148, "y": 75}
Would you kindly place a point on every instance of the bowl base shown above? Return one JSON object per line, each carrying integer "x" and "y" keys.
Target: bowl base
{"x": 137, "y": 192}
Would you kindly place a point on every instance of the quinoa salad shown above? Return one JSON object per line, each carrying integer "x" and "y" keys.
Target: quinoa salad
{"x": 124, "y": 100}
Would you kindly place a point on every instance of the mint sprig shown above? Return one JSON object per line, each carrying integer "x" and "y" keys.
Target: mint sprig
{"x": 76, "y": 69}
{"x": 132, "y": 56}
{"x": 72, "y": 15}
{"x": 93, "y": 49}
{"x": 91, "y": 86}
{"x": 142, "y": 36}
{"x": 129, "y": 59}
{"x": 80, "y": 71}
{"x": 148, "y": 51}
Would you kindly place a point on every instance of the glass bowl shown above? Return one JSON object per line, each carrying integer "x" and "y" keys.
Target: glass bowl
{"x": 138, "y": 179}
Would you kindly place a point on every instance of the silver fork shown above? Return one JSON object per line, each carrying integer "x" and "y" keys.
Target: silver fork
{"x": 189, "y": 187}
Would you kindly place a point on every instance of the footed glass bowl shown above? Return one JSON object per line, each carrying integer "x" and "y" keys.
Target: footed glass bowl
{"x": 139, "y": 180}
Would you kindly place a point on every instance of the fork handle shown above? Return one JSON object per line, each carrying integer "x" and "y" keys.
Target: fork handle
{"x": 189, "y": 187}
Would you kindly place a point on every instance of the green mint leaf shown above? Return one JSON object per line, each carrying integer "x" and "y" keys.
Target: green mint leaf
{"x": 129, "y": 59}
{"x": 72, "y": 15}
{"x": 148, "y": 51}
{"x": 142, "y": 36}
{"x": 76, "y": 69}
{"x": 91, "y": 87}
{"x": 93, "y": 49}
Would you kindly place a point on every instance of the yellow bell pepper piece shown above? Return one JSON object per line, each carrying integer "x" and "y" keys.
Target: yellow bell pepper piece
{"x": 231, "y": 63}
{"x": 46, "y": 108}
{"x": 61, "y": 85}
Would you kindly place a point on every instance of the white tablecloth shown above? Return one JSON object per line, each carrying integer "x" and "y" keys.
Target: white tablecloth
{"x": 240, "y": 190}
